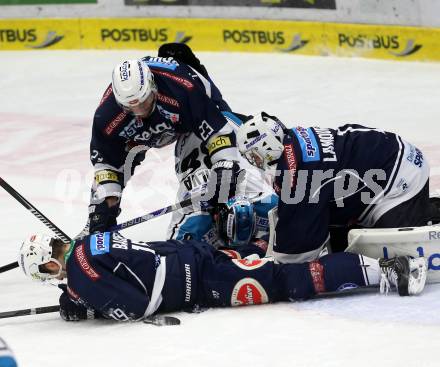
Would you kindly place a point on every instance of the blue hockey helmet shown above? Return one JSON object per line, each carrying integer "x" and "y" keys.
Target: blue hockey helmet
{"x": 235, "y": 221}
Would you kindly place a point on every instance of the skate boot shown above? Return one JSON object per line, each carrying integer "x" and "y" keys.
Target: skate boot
{"x": 406, "y": 274}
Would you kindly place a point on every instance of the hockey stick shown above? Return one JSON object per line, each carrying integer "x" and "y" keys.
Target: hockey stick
{"x": 124, "y": 225}
{"x": 58, "y": 232}
{"x": 155, "y": 214}
{"x": 157, "y": 320}
{"x": 29, "y": 311}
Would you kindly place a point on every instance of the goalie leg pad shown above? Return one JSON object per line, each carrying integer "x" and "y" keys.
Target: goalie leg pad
{"x": 387, "y": 243}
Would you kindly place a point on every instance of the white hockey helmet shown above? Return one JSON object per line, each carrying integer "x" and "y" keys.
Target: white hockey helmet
{"x": 260, "y": 140}
{"x": 35, "y": 251}
{"x": 133, "y": 84}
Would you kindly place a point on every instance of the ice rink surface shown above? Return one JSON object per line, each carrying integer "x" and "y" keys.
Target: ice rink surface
{"x": 47, "y": 101}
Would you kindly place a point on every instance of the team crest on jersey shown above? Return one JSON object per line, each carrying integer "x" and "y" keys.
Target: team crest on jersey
{"x": 248, "y": 291}
{"x": 247, "y": 264}
{"x": 308, "y": 144}
{"x": 100, "y": 243}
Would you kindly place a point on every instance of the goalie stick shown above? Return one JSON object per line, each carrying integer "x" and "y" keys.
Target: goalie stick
{"x": 157, "y": 320}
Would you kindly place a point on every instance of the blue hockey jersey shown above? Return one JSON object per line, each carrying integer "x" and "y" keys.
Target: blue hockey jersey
{"x": 126, "y": 280}
{"x": 186, "y": 102}
{"x": 330, "y": 176}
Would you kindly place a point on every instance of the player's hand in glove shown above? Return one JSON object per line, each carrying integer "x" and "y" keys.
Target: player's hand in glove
{"x": 223, "y": 181}
{"x": 71, "y": 311}
{"x": 103, "y": 217}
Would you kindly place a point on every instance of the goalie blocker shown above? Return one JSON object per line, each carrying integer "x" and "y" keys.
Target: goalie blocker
{"x": 390, "y": 242}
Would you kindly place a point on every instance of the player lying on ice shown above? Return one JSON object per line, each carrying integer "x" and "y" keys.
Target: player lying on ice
{"x": 109, "y": 276}
{"x": 352, "y": 174}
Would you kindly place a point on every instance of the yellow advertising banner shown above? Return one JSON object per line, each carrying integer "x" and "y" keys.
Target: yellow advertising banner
{"x": 35, "y": 34}
{"x": 304, "y": 38}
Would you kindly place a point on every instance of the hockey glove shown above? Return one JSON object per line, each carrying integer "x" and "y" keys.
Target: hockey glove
{"x": 182, "y": 53}
{"x": 103, "y": 217}
{"x": 71, "y": 311}
{"x": 222, "y": 182}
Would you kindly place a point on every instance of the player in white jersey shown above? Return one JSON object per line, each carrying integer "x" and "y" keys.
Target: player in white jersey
{"x": 255, "y": 195}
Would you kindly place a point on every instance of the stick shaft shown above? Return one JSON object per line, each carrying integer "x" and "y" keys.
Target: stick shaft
{"x": 29, "y": 311}
{"x": 59, "y": 233}
{"x": 8, "y": 267}
{"x": 155, "y": 214}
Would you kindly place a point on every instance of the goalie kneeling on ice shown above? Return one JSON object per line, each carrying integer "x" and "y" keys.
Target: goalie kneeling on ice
{"x": 391, "y": 242}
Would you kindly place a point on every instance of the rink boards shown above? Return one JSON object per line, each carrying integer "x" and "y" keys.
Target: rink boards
{"x": 304, "y": 38}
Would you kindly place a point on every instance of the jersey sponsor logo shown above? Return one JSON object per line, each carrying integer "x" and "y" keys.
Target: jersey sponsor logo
{"x": 248, "y": 264}
{"x": 108, "y": 130}
{"x": 168, "y": 100}
{"x": 173, "y": 117}
{"x": 309, "y": 146}
{"x": 162, "y": 62}
{"x": 106, "y": 175}
{"x": 131, "y": 129}
{"x": 100, "y": 243}
{"x": 218, "y": 143}
{"x": 81, "y": 258}
{"x": 231, "y": 253}
{"x": 157, "y": 135}
{"x": 415, "y": 156}
{"x": 289, "y": 154}
{"x": 317, "y": 272}
{"x": 248, "y": 291}
{"x": 178, "y": 79}
{"x": 327, "y": 141}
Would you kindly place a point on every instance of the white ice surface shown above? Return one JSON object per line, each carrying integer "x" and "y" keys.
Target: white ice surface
{"x": 47, "y": 101}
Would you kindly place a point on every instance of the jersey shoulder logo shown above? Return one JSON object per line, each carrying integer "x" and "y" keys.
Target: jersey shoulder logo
{"x": 100, "y": 243}
{"x": 308, "y": 143}
{"x": 162, "y": 62}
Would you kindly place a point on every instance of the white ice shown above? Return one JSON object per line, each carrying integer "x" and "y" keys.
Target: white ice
{"x": 47, "y": 101}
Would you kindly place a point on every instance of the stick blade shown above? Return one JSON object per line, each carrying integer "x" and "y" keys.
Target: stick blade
{"x": 159, "y": 320}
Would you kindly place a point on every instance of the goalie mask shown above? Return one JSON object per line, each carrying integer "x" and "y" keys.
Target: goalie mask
{"x": 34, "y": 252}
{"x": 260, "y": 140}
{"x": 235, "y": 221}
{"x": 134, "y": 87}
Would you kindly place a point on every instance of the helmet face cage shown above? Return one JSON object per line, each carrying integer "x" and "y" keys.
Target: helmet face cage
{"x": 260, "y": 140}
{"x": 236, "y": 221}
{"x": 34, "y": 252}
